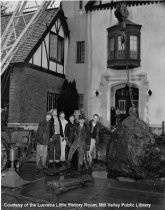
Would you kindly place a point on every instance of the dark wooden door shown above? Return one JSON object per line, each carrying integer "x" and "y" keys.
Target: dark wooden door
{"x": 123, "y": 100}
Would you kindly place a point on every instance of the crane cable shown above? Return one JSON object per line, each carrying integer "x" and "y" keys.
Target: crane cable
{"x": 123, "y": 43}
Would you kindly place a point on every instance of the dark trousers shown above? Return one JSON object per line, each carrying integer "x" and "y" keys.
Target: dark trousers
{"x": 55, "y": 147}
{"x": 81, "y": 155}
{"x": 74, "y": 161}
{"x": 67, "y": 148}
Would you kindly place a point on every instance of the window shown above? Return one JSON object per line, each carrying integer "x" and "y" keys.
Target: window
{"x": 80, "y": 52}
{"x": 136, "y": 103}
{"x": 124, "y": 46}
{"x": 53, "y": 46}
{"x": 80, "y": 4}
{"x": 60, "y": 54}
{"x": 122, "y": 106}
{"x": 81, "y": 101}
{"x": 133, "y": 47}
{"x": 111, "y": 48}
{"x": 52, "y": 101}
{"x": 120, "y": 48}
{"x": 56, "y": 48}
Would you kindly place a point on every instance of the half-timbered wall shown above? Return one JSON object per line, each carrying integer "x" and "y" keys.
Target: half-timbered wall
{"x": 42, "y": 58}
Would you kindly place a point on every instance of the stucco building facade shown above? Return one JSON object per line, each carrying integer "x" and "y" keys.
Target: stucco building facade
{"x": 97, "y": 81}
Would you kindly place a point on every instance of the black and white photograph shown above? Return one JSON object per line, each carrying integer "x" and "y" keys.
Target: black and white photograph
{"x": 82, "y": 104}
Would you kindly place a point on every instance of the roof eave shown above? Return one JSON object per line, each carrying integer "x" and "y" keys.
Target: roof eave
{"x": 59, "y": 14}
{"x": 90, "y": 5}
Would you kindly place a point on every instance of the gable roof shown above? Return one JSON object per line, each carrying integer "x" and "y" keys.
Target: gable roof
{"x": 113, "y": 3}
{"x": 32, "y": 37}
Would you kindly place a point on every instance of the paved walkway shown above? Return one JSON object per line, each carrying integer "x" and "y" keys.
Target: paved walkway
{"x": 100, "y": 194}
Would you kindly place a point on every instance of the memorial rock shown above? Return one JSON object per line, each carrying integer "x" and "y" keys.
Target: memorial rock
{"x": 131, "y": 151}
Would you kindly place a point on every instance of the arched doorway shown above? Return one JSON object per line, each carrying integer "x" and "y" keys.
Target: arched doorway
{"x": 122, "y": 102}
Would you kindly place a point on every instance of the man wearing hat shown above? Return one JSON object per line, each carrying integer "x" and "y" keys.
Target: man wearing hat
{"x": 44, "y": 134}
{"x": 81, "y": 143}
{"x": 76, "y": 117}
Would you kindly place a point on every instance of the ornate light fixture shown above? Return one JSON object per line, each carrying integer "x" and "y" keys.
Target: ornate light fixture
{"x": 149, "y": 92}
{"x": 97, "y": 93}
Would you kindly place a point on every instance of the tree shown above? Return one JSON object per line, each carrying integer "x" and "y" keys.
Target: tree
{"x": 4, "y": 7}
{"x": 68, "y": 99}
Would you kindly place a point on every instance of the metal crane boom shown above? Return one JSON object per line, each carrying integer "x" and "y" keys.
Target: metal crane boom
{"x": 8, "y": 51}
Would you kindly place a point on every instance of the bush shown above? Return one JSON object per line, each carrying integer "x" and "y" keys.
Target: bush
{"x": 68, "y": 99}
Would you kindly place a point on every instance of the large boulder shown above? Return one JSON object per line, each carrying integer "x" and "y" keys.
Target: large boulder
{"x": 131, "y": 151}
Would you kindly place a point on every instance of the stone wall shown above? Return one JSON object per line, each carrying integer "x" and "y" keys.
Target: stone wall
{"x": 28, "y": 94}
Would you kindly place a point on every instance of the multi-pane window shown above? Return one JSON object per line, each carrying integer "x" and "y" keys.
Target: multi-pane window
{"x": 81, "y": 101}
{"x": 124, "y": 46}
{"x": 60, "y": 51}
{"x": 81, "y": 52}
{"x": 122, "y": 106}
{"x": 52, "y": 101}
{"x": 120, "y": 48}
{"x": 111, "y": 48}
{"x": 133, "y": 47}
{"x": 56, "y": 48}
{"x": 53, "y": 46}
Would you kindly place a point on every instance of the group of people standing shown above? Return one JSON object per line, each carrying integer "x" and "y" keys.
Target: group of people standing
{"x": 58, "y": 140}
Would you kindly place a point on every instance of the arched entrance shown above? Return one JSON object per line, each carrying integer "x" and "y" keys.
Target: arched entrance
{"x": 124, "y": 97}
{"x": 111, "y": 83}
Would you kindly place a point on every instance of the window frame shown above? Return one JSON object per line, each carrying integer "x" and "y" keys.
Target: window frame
{"x": 122, "y": 103}
{"x": 121, "y": 51}
{"x": 82, "y": 55}
{"x": 81, "y": 99}
{"x": 138, "y": 46}
{"x": 59, "y": 39}
{"x": 121, "y": 62}
{"x": 111, "y": 54}
{"x": 53, "y": 96}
